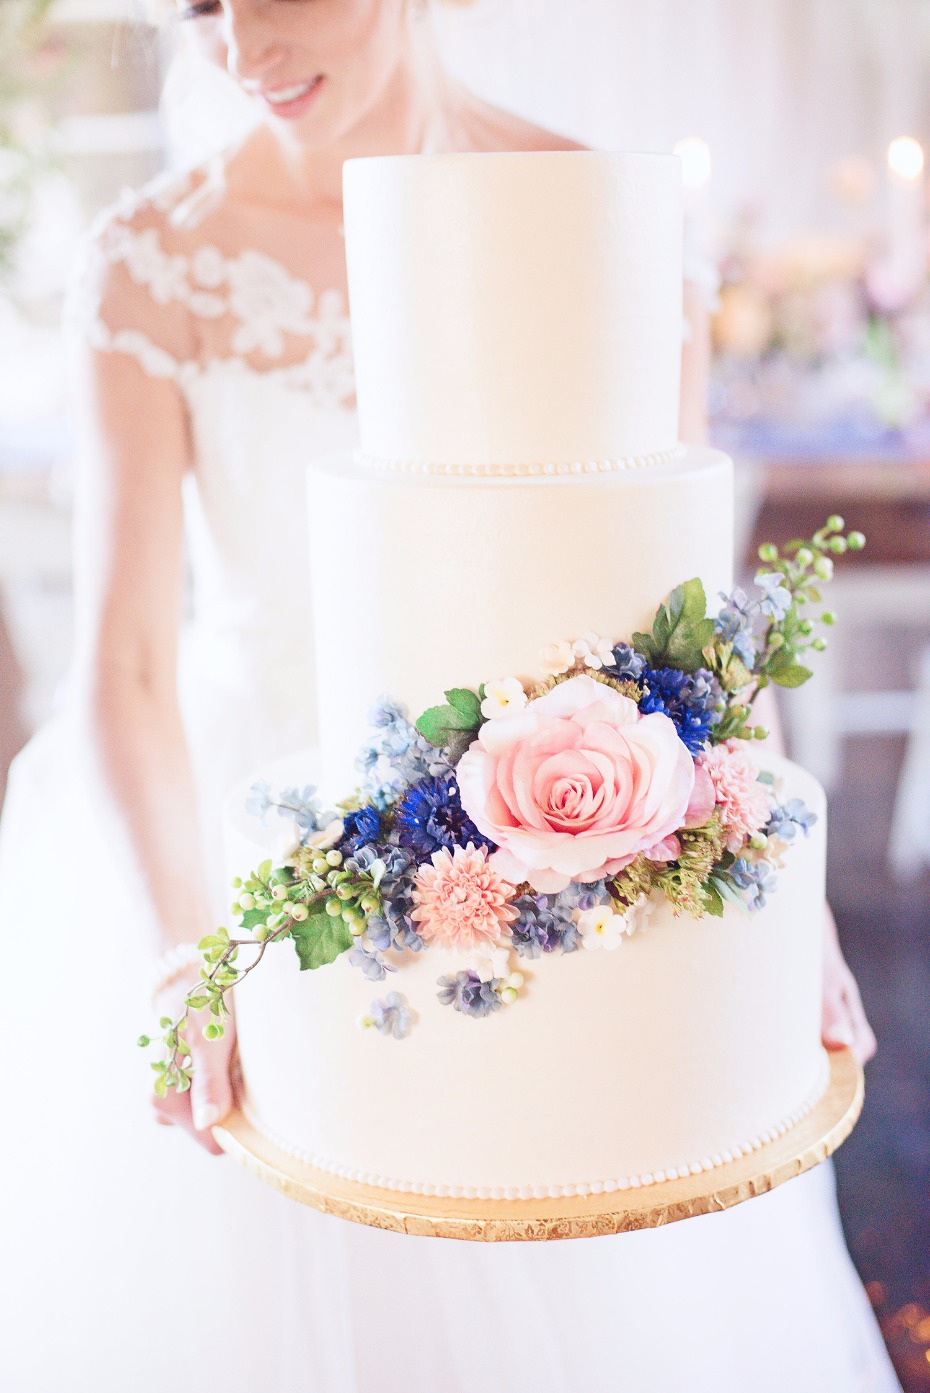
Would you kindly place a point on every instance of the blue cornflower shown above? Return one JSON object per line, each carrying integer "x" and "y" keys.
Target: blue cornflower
{"x": 692, "y": 700}
{"x": 543, "y": 925}
{"x": 756, "y": 878}
{"x": 362, "y": 827}
{"x": 467, "y": 993}
{"x": 395, "y": 755}
{"x": 776, "y": 597}
{"x": 785, "y": 819}
{"x": 734, "y": 624}
{"x": 430, "y": 816}
{"x": 627, "y": 665}
{"x": 391, "y": 1016}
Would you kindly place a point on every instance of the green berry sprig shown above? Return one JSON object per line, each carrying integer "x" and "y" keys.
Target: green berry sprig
{"x": 315, "y": 901}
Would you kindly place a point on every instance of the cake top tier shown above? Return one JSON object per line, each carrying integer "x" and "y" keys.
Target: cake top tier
{"x": 514, "y": 309}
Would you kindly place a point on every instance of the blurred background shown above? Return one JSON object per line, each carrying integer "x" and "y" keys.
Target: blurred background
{"x": 803, "y": 127}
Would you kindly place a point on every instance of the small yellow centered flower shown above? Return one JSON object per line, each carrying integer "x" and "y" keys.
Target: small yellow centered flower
{"x": 601, "y": 927}
{"x": 503, "y": 698}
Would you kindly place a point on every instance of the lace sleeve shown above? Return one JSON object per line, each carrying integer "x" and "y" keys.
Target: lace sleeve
{"x": 127, "y": 294}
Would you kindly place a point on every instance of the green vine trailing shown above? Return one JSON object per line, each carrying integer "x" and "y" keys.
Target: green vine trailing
{"x": 352, "y": 884}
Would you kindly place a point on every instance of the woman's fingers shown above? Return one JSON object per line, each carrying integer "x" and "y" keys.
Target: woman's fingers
{"x": 844, "y": 1022}
{"x": 211, "y": 1095}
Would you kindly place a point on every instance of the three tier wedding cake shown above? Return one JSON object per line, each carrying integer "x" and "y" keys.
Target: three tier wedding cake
{"x": 547, "y": 877}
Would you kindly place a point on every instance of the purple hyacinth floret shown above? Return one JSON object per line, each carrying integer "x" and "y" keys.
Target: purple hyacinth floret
{"x": 362, "y": 828}
{"x": 786, "y": 818}
{"x": 368, "y": 960}
{"x": 755, "y": 878}
{"x": 392, "y": 1016}
{"x": 393, "y": 927}
{"x": 627, "y": 665}
{"x": 467, "y": 993}
{"x": 543, "y": 926}
{"x": 691, "y": 700}
{"x": 430, "y": 817}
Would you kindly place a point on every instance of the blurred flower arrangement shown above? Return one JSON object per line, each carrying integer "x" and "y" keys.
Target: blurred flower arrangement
{"x": 820, "y": 335}
{"x": 25, "y": 153}
{"x": 540, "y": 816}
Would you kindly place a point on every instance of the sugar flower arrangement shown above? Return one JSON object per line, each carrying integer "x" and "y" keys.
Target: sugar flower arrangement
{"x": 533, "y": 817}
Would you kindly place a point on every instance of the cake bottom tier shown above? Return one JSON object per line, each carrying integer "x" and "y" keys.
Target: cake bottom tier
{"x": 692, "y": 1043}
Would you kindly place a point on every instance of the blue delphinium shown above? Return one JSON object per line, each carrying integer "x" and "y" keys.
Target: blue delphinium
{"x": 303, "y": 807}
{"x": 692, "y": 700}
{"x": 362, "y": 828}
{"x": 628, "y": 665}
{"x": 430, "y": 816}
{"x": 395, "y": 755}
{"x": 755, "y": 878}
{"x": 785, "y": 819}
{"x": 776, "y": 597}
{"x": 393, "y": 927}
{"x": 391, "y": 1016}
{"x": 467, "y": 993}
{"x": 259, "y": 799}
{"x": 734, "y": 625}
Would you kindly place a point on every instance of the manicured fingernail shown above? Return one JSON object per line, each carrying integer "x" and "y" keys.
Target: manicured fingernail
{"x": 841, "y": 1035}
{"x": 205, "y": 1115}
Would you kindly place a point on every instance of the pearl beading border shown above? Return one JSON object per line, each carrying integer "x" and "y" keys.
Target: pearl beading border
{"x": 546, "y": 469}
{"x": 546, "y": 1192}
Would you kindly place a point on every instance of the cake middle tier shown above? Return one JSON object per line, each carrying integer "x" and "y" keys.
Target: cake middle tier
{"x": 450, "y": 580}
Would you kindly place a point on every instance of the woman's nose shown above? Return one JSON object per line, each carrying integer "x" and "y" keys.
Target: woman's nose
{"x": 252, "y": 43}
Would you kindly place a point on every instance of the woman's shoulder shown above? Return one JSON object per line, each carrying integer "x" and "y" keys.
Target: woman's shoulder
{"x": 168, "y": 212}
{"x": 487, "y": 128}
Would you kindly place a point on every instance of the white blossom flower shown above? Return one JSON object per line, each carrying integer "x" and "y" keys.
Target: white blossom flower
{"x": 558, "y": 658}
{"x": 639, "y": 913}
{"x": 488, "y": 966}
{"x": 503, "y": 698}
{"x": 595, "y": 652}
{"x": 327, "y": 836}
{"x": 601, "y": 927}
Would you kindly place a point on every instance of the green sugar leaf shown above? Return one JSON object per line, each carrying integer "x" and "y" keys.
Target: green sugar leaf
{"x": 713, "y": 904}
{"x": 253, "y": 917}
{"x": 467, "y": 705}
{"x": 320, "y": 939}
{"x": 680, "y": 630}
{"x": 785, "y": 672}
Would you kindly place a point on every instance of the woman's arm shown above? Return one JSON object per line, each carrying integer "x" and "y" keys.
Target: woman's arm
{"x": 135, "y": 448}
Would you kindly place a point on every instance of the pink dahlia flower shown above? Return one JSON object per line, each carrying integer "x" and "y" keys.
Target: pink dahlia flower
{"x": 461, "y": 901}
{"x": 576, "y": 785}
{"x": 744, "y": 803}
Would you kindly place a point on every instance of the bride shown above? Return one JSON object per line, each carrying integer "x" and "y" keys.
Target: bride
{"x": 213, "y": 361}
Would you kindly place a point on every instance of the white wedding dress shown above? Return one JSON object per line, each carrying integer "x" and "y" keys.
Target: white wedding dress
{"x": 129, "y": 1260}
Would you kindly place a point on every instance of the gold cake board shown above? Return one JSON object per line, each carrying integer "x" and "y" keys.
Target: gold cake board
{"x": 812, "y": 1140}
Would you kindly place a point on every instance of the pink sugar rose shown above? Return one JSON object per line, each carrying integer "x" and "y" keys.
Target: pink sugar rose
{"x": 744, "y": 803}
{"x": 461, "y": 900}
{"x": 575, "y": 785}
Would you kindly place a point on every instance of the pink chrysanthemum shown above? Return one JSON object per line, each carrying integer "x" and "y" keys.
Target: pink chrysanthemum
{"x": 461, "y": 901}
{"x": 743, "y": 802}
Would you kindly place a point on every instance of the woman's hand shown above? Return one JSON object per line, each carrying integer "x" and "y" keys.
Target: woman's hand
{"x": 212, "y": 1093}
{"x": 844, "y": 1020}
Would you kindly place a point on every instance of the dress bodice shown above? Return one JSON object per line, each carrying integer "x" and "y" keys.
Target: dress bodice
{"x": 262, "y": 359}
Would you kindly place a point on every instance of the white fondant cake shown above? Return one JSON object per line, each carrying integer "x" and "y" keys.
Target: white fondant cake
{"x": 517, "y": 327}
